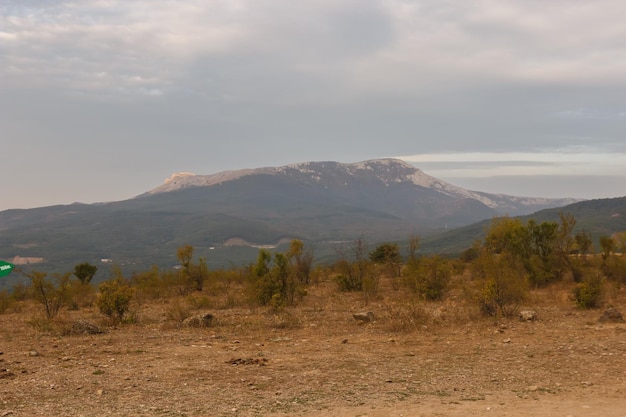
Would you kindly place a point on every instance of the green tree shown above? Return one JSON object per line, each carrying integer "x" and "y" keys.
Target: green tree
{"x": 542, "y": 248}
{"x": 301, "y": 259}
{"x": 607, "y": 246}
{"x": 387, "y": 254}
{"x": 193, "y": 274}
{"x": 85, "y": 272}
{"x": 583, "y": 243}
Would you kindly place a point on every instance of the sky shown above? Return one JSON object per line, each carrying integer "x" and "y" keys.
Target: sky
{"x": 101, "y": 100}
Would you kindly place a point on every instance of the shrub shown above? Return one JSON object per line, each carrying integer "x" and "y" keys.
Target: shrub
{"x": 177, "y": 312}
{"x": 52, "y": 297}
{"x": 5, "y": 301}
{"x": 588, "y": 293}
{"x": 114, "y": 299}
{"x": 350, "y": 278}
{"x": 504, "y": 284}
{"x": 80, "y": 295}
{"x": 353, "y": 270}
{"x": 20, "y": 292}
{"x": 274, "y": 282}
{"x": 407, "y": 317}
{"x": 614, "y": 267}
{"x": 199, "y": 302}
{"x": 429, "y": 277}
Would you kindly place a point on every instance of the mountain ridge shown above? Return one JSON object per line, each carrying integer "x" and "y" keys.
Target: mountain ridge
{"x": 317, "y": 202}
{"x": 398, "y": 170}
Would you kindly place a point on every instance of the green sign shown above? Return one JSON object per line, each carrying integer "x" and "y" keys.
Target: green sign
{"x": 5, "y": 268}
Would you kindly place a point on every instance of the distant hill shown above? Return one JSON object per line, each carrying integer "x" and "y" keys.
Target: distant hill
{"x": 318, "y": 202}
{"x": 596, "y": 217}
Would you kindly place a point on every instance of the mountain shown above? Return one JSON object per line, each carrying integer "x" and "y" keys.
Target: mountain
{"x": 226, "y": 215}
{"x": 378, "y": 172}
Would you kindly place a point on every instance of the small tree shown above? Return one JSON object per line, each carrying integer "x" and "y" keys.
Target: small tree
{"x": 607, "y": 246}
{"x": 429, "y": 277}
{"x": 583, "y": 243}
{"x": 193, "y": 274}
{"x": 503, "y": 284}
{"x": 355, "y": 271}
{"x": 274, "y": 280}
{"x": 52, "y": 297}
{"x": 85, "y": 272}
{"x": 301, "y": 259}
{"x": 388, "y": 255}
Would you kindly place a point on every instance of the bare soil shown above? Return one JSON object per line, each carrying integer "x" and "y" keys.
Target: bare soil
{"x": 317, "y": 360}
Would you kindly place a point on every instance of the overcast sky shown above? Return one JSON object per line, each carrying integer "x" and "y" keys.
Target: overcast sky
{"x": 102, "y": 99}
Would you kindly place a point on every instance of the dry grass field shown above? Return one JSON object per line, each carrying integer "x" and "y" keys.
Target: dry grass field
{"x": 415, "y": 359}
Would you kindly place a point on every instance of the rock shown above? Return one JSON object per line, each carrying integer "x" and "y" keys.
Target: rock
{"x": 84, "y": 327}
{"x": 364, "y": 317}
{"x": 33, "y": 353}
{"x": 611, "y": 315}
{"x": 200, "y": 320}
{"x": 506, "y": 340}
{"x": 527, "y": 315}
{"x": 5, "y": 373}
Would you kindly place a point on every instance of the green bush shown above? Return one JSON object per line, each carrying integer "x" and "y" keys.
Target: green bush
{"x": 588, "y": 293}
{"x": 273, "y": 281}
{"x": 614, "y": 267}
{"x": 504, "y": 284}
{"x": 428, "y": 277}
{"x": 114, "y": 298}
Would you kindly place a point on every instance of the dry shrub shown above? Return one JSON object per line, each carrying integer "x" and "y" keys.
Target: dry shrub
{"x": 177, "y": 312}
{"x": 80, "y": 295}
{"x": 200, "y": 302}
{"x": 503, "y": 284}
{"x": 405, "y": 318}
{"x": 56, "y": 326}
{"x": 614, "y": 267}
{"x": 284, "y": 320}
{"x": 6, "y": 301}
{"x": 588, "y": 293}
{"x": 20, "y": 292}
{"x": 429, "y": 277}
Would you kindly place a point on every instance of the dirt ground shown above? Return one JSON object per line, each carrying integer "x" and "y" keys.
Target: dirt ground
{"x": 317, "y": 360}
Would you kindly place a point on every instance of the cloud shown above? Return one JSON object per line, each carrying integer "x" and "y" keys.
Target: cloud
{"x": 575, "y": 161}
{"x": 352, "y": 48}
